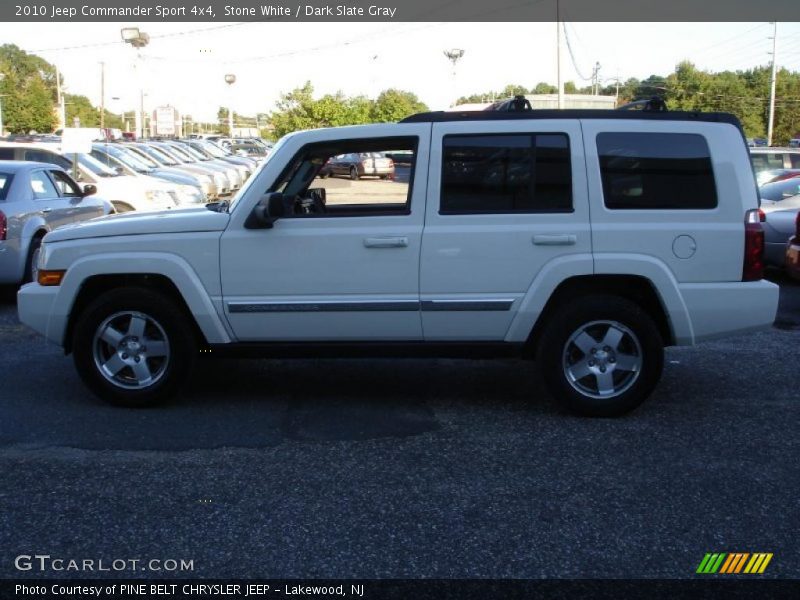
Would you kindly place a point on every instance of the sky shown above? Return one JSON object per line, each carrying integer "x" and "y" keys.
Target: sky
{"x": 185, "y": 63}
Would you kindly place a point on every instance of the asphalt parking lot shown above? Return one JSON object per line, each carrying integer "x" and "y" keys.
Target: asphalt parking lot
{"x": 387, "y": 468}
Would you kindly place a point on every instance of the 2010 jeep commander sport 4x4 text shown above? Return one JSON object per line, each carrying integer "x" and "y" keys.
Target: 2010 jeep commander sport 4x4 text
{"x": 587, "y": 240}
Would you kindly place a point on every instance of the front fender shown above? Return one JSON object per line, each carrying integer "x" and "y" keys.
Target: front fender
{"x": 171, "y": 266}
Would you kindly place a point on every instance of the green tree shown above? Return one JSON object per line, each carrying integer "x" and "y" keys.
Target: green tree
{"x": 81, "y": 108}
{"x": 544, "y": 88}
{"x": 393, "y": 105}
{"x": 28, "y": 87}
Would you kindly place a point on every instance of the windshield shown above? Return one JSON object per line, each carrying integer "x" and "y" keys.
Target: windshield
{"x": 213, "y": 150}
{"x": 780, "y": 190}
{"x": 159, "y": 155}
{"x": 128, "y": 159}
{"x": 94, "y": 166}
{"x": 179, "y": 156}
{"x": 185, "y": 148}
{"x": 144, "y": 157}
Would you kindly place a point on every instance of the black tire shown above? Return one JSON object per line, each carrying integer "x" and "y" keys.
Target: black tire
{"x": 562, "y": 360}
{"x": 33, "y": 257}
{"x": 353, "y": 173}
{"x": 167, "y": 321}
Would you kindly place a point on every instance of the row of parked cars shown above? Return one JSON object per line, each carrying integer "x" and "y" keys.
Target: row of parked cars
{"x": 778, "y": 176}
{"x": 43, "y": 188}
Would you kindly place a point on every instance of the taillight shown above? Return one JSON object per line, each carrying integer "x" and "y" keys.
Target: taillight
{"x": 797, "y": 228}
{"x": 3, "y": 226}
{"x": 762, "y": 216}
{"x": 753, "y": 267}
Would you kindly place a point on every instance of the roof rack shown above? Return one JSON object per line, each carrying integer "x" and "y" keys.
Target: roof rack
{"x": 571, "y": 113}
{"x": 654, "y": 104}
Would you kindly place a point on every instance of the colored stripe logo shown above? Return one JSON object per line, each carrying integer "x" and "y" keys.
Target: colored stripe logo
{"x": 734, "y": 562}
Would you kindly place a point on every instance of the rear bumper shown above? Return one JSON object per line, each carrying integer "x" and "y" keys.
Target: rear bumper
{"x": 719, "y": 310}
{"x": 35, "y": 309}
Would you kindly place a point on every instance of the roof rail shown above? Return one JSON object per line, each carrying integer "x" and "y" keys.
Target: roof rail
{"x": 654, "y": 104}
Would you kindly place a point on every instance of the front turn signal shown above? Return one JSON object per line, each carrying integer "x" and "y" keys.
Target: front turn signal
{"x": 49, "y": 278}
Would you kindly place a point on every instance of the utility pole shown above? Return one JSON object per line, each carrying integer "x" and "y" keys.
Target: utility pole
{"x": 62, "y": 113}
{"x": 102, "y": 95}
{"x": 771, "y": 121}
{"x": 560, "y": 34}
{"x": 596, "y": 79}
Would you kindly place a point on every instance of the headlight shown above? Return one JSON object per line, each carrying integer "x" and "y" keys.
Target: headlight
{"x": 190, "y": 194}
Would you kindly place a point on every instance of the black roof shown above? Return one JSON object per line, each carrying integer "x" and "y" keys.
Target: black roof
{"x": 571, "y": 113}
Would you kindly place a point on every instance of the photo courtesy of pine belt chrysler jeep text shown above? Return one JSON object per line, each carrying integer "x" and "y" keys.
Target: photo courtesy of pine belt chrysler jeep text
{"x": 587, "y": 240}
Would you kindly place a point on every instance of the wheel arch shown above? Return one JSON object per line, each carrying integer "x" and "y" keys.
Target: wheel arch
{"x": 635, "y": 288}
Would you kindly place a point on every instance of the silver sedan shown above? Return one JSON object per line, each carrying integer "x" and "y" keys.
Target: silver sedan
{"x": 36, "y": 198}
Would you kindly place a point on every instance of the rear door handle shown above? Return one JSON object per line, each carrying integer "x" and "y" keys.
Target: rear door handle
{"x": 561, "y": 239}
{"x": 386, "y": 242}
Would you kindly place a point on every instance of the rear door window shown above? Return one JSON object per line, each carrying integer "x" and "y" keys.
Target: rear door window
{"x": 41, "y": 186}
{"x": 506, "y": 173}
{"x": 666, "y": 171}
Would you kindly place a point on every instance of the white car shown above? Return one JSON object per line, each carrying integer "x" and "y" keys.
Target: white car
{"x": 127, "y": 193}
{"x": 588, "y": 240}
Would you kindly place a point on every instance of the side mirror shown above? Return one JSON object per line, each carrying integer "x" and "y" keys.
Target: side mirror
{"x": 318, "y": 194}
{"x": 269, "y": 209}
{"x": 89, "y": 189}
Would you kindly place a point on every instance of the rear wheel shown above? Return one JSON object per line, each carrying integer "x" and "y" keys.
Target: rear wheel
{"x": 601, "y": 356}
{"x": 31, "y": 265}
{"x": 133, "y": 347}
{"x": 353, "y": 173}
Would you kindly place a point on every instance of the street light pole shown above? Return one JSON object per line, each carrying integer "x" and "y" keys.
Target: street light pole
{"x": 454, "y": 55}
{"x": 230, "y": 79}
{"x": 137, "y": 39}
{"x": 771, "y": 120}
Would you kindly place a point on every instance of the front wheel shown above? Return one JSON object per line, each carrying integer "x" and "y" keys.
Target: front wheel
{"x": 353, "y": 173}
{"x": 601, "y": 356}
{"x": 133, "y": 347}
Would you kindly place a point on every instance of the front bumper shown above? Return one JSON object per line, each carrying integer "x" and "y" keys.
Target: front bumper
{"x": 35, "y": 309}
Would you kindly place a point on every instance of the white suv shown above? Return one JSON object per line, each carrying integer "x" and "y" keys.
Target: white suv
{"x": 588, "y": 240}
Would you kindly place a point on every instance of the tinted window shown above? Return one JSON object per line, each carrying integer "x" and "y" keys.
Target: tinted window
{"x": 6, "y": 154}
{"x": 656, "y": 171}
{"x": 795, "y": 158}
{"x": 505, "y": 174}
{"x": 47, "y": 157}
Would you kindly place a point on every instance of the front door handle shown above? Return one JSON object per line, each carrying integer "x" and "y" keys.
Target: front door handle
{"x": 561, "y": 239}
{"x": 386, "y": 242}
{"x": 47, "y": 210}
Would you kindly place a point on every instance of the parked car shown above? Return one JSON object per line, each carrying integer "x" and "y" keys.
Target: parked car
{"x": 187, "y": 187}
{"x": 765, "y": 159}
{"x": 618, "y": 242}
{"x": 773, "y": 175}
{"x": 36, "y": 198}
{"x": 794, "y": 143}
{"x": 780, "y": 202}
{"x": 165, "y": 158}
{"x": 356, "y": 165}
{"x": 126, "y": 193}
{"x": 213, "y": 151}
{"x": 230, "y": 175}
{"x": 237, "y": 172}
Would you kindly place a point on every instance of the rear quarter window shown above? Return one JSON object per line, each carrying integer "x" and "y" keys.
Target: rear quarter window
{"x": 664, "y": 171}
